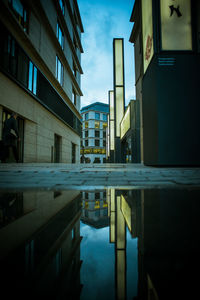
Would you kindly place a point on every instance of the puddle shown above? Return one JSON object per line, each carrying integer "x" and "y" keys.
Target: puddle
{"x": 100, "y": 244}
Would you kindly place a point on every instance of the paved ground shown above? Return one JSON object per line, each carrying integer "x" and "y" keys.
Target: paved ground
{"x": 90, "y": 176}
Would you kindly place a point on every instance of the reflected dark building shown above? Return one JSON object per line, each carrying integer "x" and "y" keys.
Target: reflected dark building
{"x": 167, "y": 47}
{"x": 40, "y": 245}
{"x": 95, "y": 208}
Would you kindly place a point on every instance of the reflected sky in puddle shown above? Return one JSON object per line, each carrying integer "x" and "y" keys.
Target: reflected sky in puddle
{"x": 102, "y": 244}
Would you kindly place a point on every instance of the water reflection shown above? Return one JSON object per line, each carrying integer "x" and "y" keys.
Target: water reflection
{"x": 110, "y": 244}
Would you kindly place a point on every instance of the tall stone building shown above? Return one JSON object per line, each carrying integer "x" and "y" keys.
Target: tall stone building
{"x": 40, "y": 70}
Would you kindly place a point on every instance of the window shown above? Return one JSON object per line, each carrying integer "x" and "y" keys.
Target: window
{"x": 86, "y": 143}
{"x": 97, "y": 124}
{"x": 74, "y": 97}
{"x": 59, "y": 70}
{"x": 74, "y": 69}
{"x": 20, "y": 13}
{"x": 97, "y": 195}
{"x": 97, "y": 133}
{"x": 32, "y": 78}
{"x": 86, "y": 116}
{"x": 105, "y": 125}
{"x": 60, "y": 36}
{"x": 104, "y": 143}
{"x": 73, "y": 153}
{"x": 86, "y": 133}
{"x": 86, "y": 124}
{"x": 97, "y": 116}
{"x": 104, "y": 134}
{"x": 96, "y": 142}
{"x": 104, "y": 117}
{"x": 62, "y": 6}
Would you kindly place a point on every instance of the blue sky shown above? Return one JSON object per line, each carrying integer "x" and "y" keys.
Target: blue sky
{"x": 104, "y": 20}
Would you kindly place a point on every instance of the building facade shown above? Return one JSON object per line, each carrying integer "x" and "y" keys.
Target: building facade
{"x": 167, "y": 56}
{"x": 40, "y": 70}
{"x": 94, "y": 124}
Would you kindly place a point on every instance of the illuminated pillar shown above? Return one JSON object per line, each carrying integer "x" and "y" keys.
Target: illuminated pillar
{"x": 119, "y": 92}
{"x": 111, "y": 125}
{"x": 112, "y": 215}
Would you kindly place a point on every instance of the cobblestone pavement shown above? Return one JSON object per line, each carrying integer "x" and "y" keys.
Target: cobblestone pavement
{"x": 90, "y": 176}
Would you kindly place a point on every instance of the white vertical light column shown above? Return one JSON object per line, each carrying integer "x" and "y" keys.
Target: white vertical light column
{"x": 119, "y": 92}
{"x": 111, "y": 125}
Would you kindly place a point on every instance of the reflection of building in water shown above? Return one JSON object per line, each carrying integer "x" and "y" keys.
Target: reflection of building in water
{"x": 169, "y": 244}
{"x": 122, "y": 209}
{"x": 40, "y": 245}
{"x": 95, "y": 208}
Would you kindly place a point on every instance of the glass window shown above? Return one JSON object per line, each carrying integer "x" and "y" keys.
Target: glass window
{"x": 97, "y": 124}
{"x": 59, "y": 71}
{"x": 104, "y": 143}
{"x": 97, "y": 116}
{"x": 105, "y": 125}
{"x": 86, "y": 133}
{"x": 20, "y": 12}
{"x": 97, "y": 195}
{"x": 104, "y": 134}
{"x": 74, "y": 97}
{"x": 62, "y": 6}
{"x": 86, "y": 116}
{"x": 97, "y": 133}
{"x": 86, "y": 143}
{"x": 97, "y": 143}
{"x": 86, "y": 124}
{"x": 104, "y": 117}
{"x": 32, "y": 78}
{"x": 60, "y": 36}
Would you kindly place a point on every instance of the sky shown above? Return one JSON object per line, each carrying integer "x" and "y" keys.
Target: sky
{"x": 102, "y": 21}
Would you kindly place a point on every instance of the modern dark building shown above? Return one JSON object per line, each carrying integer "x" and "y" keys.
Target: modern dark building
{"x": 167, "y": 58}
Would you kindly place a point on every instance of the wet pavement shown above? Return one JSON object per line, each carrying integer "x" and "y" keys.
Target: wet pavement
{"x": 81, "y": 176}
{"x": 100, "y": 244}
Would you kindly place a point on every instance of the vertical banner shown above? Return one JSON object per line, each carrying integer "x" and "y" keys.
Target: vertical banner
{"x": 112, "y": 120}
{"x": 176, "y": 30}
{"x": 147, "y": 32}
{"x": 119, "y": 101}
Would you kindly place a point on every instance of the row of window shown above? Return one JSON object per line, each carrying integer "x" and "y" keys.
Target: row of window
{"x": 21, "y": 14}
{"x": 98, "y": 195}
{"x": 97, "y": 116}
{"x": 96, "y": 133}
{"x": 96, "y": 125}
{"x": 96, "y": 142}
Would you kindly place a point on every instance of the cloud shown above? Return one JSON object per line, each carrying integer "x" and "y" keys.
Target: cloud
{"x": 102, "y": 22}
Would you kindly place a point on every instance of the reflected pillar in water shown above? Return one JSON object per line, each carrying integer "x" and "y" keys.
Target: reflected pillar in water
{"x": 120, "y": 250}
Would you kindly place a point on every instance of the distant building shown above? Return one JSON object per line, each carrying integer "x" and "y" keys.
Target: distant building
{"x": 40, "y": 74}
{"x": 95, "y": 209}
{"x": 95, "y": 121}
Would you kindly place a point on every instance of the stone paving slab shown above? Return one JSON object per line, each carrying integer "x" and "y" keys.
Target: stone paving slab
{"x": 90, "y": 176}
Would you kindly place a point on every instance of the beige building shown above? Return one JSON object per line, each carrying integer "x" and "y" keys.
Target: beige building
{"x": 40, "y": 70}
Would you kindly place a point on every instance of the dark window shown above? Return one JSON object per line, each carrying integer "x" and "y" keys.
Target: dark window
{"x": 86, "y": 142}
{"x": 86, "y": 116}
{"x": 74, "y": 69}
{"x": 23, "y": 68}
{"x": 73, "y": 153}
{"x": 57, "y": 148}
{"x": 59, "y": 70}
{"x": 86, "y": 195}
{"x": 20, "y": 13}
{"x": 86, "y": 133}
{"x": 97, "y": 195}
{"x": 60, "y": 35}
{"x": 32, "y": 78}
{"x": 104, "y": 134}
{"x": 96, "y": 142}
{"x": 97, "y": 133}
{"x": 104, "y": 143}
